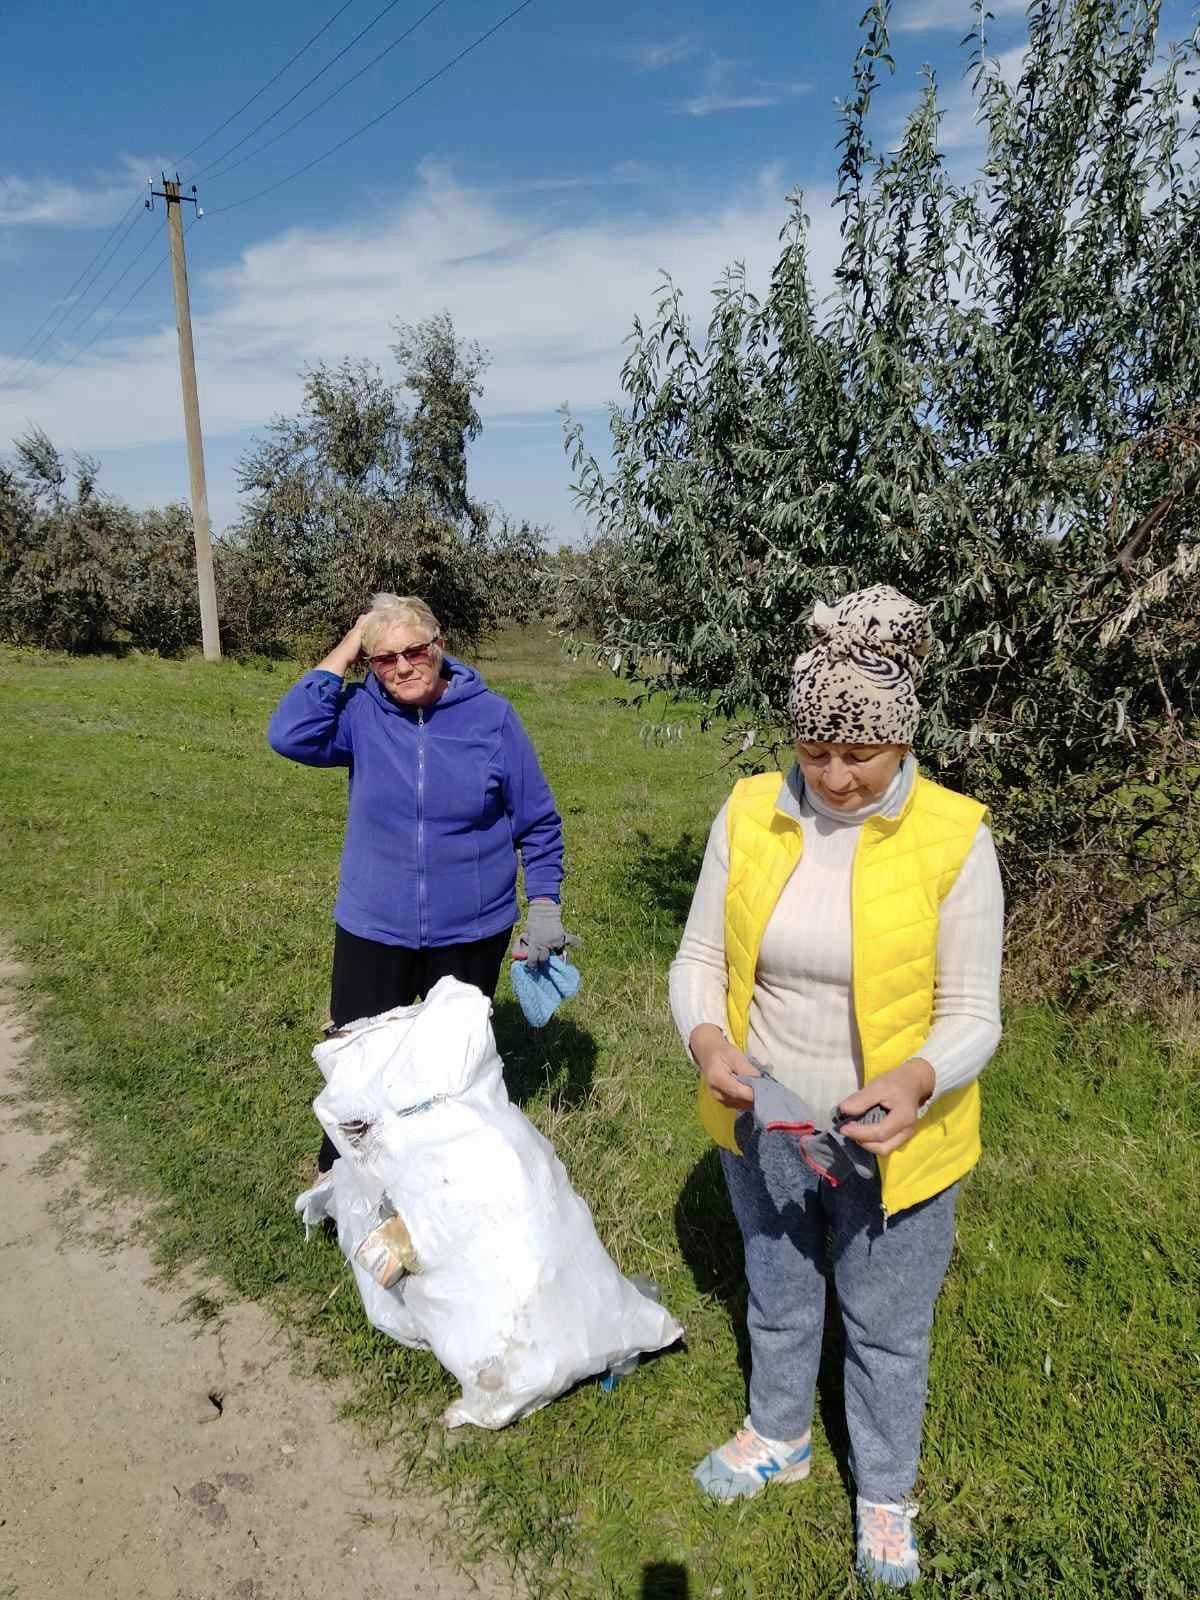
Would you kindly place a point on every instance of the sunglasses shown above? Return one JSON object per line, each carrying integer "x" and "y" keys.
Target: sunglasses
{"x": 414, "y": 655}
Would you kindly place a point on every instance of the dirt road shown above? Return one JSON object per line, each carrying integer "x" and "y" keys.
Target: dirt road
{"x": 145, "y": 1457}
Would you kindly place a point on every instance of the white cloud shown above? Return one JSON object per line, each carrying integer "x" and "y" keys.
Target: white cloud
{"x": 48, "y": 202}
{"x": 704, "y": 105}
{"x": 722, "y": 92}
{"x": 960, "y": 128}
{"x": 921, "y": 16}
{"x": 653, "y": 57}
{"x": 623, "y": 174}
{"x": 28, "y": 202}
{"x": 553, "y": 303}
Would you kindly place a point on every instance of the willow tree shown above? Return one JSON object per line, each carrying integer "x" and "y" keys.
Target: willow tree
{"x": 365, "y": 489}
{"x": 995, "y": 408}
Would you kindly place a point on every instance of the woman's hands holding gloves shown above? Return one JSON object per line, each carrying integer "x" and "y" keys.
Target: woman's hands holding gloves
{"x": 720, "y": 1065}
{"x": 901, "y": 1092}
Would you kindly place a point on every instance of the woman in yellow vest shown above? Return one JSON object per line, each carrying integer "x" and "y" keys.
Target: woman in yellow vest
{"x": 845, "y": 935}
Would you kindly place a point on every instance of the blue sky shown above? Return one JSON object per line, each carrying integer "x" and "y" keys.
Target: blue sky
{"x": 536, "y": 190}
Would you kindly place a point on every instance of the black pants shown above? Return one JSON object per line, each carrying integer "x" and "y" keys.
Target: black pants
{"x": 369, "y": 977}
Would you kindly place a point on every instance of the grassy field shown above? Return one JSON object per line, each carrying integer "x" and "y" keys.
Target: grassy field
{"x": 168, "y": 883}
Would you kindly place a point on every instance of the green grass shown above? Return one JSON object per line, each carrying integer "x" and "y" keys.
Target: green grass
{"x": 168, "y": 882}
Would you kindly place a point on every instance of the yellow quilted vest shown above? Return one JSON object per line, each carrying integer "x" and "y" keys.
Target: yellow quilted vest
{"x": 903, "y": 868}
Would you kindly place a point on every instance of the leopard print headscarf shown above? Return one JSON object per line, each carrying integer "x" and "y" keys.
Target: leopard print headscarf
{"x": 858, "y": 683}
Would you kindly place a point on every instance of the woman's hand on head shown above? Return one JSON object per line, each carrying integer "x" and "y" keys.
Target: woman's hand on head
{"x": 901, "y": 1092}
{"x": 721, "y": 1063}
{"x": 354, "y": 638}
{"x": 347, "y": 650}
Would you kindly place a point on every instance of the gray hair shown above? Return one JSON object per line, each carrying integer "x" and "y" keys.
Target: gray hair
{"x": 389, "y": 609}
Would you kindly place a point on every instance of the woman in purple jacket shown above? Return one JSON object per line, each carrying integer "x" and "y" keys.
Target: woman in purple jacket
{"x": 445, "y": 788}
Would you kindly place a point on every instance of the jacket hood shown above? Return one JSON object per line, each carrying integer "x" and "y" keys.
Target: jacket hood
{"x": 465, "y": 684}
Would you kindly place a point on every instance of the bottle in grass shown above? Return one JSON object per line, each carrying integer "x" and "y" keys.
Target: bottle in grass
{"x": 646, "y": 1285}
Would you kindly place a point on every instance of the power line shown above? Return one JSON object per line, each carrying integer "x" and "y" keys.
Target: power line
{"x": 245, "y": 106}
{"x": 75, "y": 306}
{"x": 82, "y": 349}
{"x": 23, "y": 364}
{"x": 24, "y": 357}
{"x": 404, "y": 99}
{"x": 20, "y": 360}
{"x": 119, "y": 312}
{"x": 258, "y": 126}
{"x": 275, "y": 138}
{"x": 367, "y": 126}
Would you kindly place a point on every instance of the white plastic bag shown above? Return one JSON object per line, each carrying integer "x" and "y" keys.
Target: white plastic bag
{"x": 515, "y": 1295}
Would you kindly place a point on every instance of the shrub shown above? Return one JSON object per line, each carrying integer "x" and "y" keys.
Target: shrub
{"x": 995, "y": 412}
{"x": 359, "y": 492}
{"x": 80, "y": 570}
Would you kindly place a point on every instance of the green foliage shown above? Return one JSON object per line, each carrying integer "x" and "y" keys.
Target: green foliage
{"x": 995, "y": 411}
{"x": 357, "y": 493}
{"x": 585, "y": 588}
{"x": 80, "y": 570}
{"x": 186, "y": 986}
{"x": 444, "y": 373}
{"x": 360, "y": 493}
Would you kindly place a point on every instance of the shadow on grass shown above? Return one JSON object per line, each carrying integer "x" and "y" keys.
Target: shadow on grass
{"x": 665, "y": 1580}
{"x": 711, "y": 1245}
{"x": 831, "y": 1389}
{"x": 561, "y": 1057}
{"x": 662, "y": 877}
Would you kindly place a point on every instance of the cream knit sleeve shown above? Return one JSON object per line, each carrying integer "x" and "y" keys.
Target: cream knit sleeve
{"x": 966, "y": 1008}
{"x": 697, "y": 979}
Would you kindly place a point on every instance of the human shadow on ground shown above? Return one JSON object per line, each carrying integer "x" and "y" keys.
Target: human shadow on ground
{"x": 665, "y": 1580}
{"x": 560, "y": 1057}
{"x": 711, "y": 1246}
{"x": 662, "y": 878}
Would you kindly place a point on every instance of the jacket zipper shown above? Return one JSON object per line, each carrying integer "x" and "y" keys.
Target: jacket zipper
{"x": 421, "y": 912}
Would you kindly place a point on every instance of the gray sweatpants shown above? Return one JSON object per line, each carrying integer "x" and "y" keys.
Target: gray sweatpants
{"x": 887, "y": 1280}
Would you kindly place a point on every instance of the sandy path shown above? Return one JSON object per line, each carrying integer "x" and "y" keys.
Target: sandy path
{"x": 119, "y": 1477}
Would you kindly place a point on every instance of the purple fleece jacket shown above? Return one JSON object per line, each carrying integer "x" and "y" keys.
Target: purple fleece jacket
{"x": 440, "y": 801}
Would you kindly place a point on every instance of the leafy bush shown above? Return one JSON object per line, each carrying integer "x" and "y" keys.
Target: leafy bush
{"x": 359, "y": 493}
{"x": 995, "y": 411}
{"x": 160, "y": 604}
{"x": 80, "y": 570}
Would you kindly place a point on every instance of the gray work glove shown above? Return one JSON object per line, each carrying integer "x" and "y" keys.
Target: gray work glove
{"x": 543, "y": 934}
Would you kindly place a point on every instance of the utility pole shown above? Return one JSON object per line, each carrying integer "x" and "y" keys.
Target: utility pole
{"x": 202, "y": 532}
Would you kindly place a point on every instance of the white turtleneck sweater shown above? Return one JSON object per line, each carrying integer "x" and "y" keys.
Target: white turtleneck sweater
{"x": 801, "y": 1014}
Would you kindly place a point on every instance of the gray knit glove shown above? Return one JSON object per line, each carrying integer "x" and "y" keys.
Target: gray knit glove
{"x": 543, "y": 934}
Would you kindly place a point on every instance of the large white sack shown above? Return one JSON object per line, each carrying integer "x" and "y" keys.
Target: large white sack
{"x": 516, "y": 1295}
